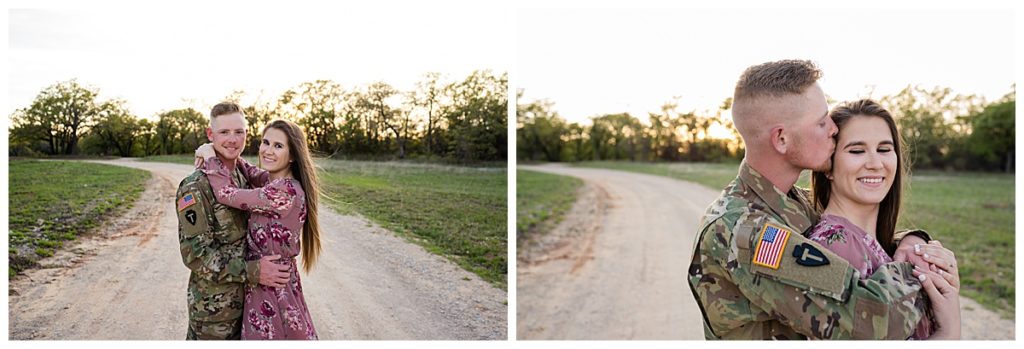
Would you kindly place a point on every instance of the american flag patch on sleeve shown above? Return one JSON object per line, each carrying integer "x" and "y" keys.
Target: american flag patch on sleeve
{"x": 186, "y": 201}
{"x": 770, "y": 245}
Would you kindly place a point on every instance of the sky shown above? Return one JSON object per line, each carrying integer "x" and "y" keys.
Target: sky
{"x": 192, "y": 56}
{"x": 599, "y": 61}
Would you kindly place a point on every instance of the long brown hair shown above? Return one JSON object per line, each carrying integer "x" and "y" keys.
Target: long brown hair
{"x": 889, "y": 208}
{"x": 304, "y": 170}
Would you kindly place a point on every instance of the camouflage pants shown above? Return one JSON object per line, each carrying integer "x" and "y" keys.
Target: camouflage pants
{"x": 231, "y": 330}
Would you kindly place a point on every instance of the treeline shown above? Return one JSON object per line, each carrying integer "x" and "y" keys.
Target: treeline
{"x": 669, "y": 135}
{"x": 943, "y": 130}
{"x": 459, "y": 121}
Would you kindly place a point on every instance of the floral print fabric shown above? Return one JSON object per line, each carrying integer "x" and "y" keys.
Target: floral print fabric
{"x": 863, "y": 251}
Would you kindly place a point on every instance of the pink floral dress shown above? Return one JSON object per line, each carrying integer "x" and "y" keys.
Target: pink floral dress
{"x": 863, "y": 251}
{"x": 277, "y": 212}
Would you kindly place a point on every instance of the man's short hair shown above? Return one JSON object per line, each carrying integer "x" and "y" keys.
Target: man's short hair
{"x": 761, "y": 91}
{"x": 224, "y": 108}
{"x": 776, "y": 79}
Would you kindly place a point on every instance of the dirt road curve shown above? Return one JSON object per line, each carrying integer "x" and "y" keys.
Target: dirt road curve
{"x": 615, "y": 267}
{"x": 628, "y": 278}
{"x": 128, "y": 282}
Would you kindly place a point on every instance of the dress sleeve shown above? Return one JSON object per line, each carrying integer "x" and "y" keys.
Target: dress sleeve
{"x": 837, "y": 239}
{"x": 273, "y": 200}
{"x": 257, "y": 177}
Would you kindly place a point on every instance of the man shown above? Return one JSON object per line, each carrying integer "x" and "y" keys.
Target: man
{"x": 212, "y": 240}
{"x": 753, "y": 273}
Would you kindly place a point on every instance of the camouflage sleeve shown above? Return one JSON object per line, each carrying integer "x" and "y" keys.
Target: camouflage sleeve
{"x": 899, "y": 235}
{"x": 201, "y": 252}
{"x": 816, "y": 292}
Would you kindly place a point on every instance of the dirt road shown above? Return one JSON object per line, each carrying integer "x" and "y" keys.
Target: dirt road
{"x": 615, "y": 267}
{"x": 127, "y": 281}
{"x": 626, "y": 276}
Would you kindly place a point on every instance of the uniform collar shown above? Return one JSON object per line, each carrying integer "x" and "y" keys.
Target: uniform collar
{"x": 795, "y": 209}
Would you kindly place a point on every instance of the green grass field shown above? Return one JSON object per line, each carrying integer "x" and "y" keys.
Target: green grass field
{"x": 457, "y": 212}
{"x": 971, "y": 213}
{"x": 55, "y": 201}
{"x": 541, "y": 200}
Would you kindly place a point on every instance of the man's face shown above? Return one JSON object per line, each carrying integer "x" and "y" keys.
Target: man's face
{"x": 813, "y": 133}
{"x": 228, "y": 135}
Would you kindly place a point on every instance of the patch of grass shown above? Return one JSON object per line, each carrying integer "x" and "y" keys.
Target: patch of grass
{"x": 971, "y": 213}
{"x": 457, "y": 212}
{"x": 542, "y": 199}
{"x": 54, "y": 201}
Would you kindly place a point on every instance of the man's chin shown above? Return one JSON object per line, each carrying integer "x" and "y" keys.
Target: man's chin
{"x": 228, "y": 156}
{"x": 824, "y": 167}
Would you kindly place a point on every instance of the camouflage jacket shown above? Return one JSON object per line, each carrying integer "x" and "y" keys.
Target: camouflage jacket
{"x": 756, "y": 276}
{"x": 212, "y": 240}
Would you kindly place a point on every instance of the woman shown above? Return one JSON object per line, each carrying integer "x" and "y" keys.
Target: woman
{"x": 860, "y": 200}
{"x": 283, "y": 204}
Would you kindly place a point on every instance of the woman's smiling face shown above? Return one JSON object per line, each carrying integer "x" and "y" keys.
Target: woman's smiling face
{"x": 865, "y": 162}
{"x": 274, "y": 152}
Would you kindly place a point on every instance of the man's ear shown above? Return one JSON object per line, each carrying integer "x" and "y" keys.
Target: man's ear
{"x": 777, "y": 137}
{"x": 209, "y": 134}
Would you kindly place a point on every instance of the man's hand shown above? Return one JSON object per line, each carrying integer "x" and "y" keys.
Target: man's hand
{"x": 273, "y": 274}
{"x": 905, "y": 252}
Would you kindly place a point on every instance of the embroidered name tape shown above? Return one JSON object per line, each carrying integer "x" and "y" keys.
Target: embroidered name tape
{"x": 186, "y": 201}
{"x": 770, "y": 245}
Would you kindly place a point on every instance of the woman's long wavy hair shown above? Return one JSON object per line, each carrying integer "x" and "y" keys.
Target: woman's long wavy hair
{"x": 889, "y": 208}
{"x": 304, "y": 171}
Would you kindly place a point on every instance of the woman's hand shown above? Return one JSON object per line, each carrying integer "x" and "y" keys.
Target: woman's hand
{"x": 945, "y": 302}
{"x": 203, "y": 152}
{"x": 941, "y": 260}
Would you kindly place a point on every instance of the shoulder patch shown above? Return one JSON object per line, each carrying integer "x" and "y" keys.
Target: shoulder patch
{"x": 771, "y": 243}
{"x": 185, "y": 201}
{"x": 800, "y": 262}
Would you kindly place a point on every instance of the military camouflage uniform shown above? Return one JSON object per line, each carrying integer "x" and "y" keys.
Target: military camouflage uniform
{"x": 806, "y": 291}
{"x": 212, "y": 239}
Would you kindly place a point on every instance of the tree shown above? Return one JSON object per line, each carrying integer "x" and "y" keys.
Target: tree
{"x": 429, "y": 95}
{"x": 540, "y": 132}
{"x": 116, "y": 128}
{"x": 993, "y": 135}
{"x": 315, "y": 106}
{"x": 58, "y": 116}
{"x": 181, "y": 131}
{"x": 477, "y": 119}
{"x": 377, "y": 98}
{"x": 922, "y": 116}
{"x": 147, "y": 138}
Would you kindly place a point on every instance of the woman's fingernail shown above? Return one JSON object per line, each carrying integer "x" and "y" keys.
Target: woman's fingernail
{"x": 925, "y": 255}
{"x": 922, "y": 277}
{"x": 917, "y": 247}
